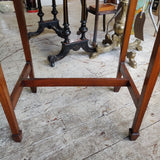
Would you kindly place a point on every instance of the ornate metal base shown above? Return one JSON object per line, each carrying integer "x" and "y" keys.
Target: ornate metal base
{"x": 66, "y": 47}
{"x": 17, "y": 137}
{"x": 115, "y": 41}
{"x": 131, "y": 56}
{"x": 50, "y": 24}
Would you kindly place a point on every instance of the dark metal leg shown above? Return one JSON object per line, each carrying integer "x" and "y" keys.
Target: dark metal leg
{"x": 8, "y": 109}
{"x": 41, "y": 27}
{"x": 66, "y": 32}
{"x": 54, "y": 10}
{"x": 66, "y": 45}
{"x": 94, "y": 43}
{"x": 79, "y": 32}
{"x": 83, "y": 29}
{"x": 104, "y": 23}
{"x": 50, "y": 24}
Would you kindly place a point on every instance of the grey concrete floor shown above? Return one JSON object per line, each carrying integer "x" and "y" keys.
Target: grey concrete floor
{"x": 77, "y": 122}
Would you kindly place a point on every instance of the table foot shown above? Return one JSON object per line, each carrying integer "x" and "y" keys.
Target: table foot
{"x": 131, "y": 56}
{"x": 34, "y": 89}
{"x": 66, "y": 47}
{"x": 39, "y": 31}
{"x": 50, "y": 24}
{"x": 133, "y": 136}
{"x": 136, "y": 45}
{"x": 17, "y": 137}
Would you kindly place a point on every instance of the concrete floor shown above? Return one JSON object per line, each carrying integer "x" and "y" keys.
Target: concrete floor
{"x": 81, "y": 122}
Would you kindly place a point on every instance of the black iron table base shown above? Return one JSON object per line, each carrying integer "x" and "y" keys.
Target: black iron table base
{"x": 64, "y": 32}
{"x": 66, "y": 47}
{"x": 51, "y": 24}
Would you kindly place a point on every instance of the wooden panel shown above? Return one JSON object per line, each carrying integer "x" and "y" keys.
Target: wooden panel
{"x": 126, "y": 36}
{"x": 44, "y": 82}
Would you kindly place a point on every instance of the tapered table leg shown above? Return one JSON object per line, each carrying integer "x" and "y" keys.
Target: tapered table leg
{"x": 24, "y": 37}
{"x": 148, "y": 86}
{"x": 127, "y": 32}
{"x": 8, "y": 109}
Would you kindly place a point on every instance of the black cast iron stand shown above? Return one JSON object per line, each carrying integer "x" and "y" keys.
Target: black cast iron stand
{"x": 50, "y": 24}
{"x": 66, "y": 45}
{"x": 64, "y": 32}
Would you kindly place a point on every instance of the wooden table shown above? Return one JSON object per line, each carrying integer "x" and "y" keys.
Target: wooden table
{"x": 123, "y": 78}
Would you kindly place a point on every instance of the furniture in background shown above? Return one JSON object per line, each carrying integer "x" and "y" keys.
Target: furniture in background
{"x": 50, "y": 24}
{"x": 112, "y": 41}
{"x": 64, "y": 31}
{"x": 101, "y": 8}
{"x": 154, "y": 5}
{"x": 31, "y": 6}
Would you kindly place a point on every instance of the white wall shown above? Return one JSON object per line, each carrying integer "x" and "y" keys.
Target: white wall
{"x": 49, "y": 2}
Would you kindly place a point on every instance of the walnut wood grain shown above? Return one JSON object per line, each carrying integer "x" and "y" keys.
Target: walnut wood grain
{"x": 48, "y": 82}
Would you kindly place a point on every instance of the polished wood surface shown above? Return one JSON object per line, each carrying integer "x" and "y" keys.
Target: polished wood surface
{"x": 8, "y": 108}
{"x": 148, "y": 86}
{"x": 18, "y": 88}
{"x": 48, "y": 82}
{"x": 140, "y": 100}
{"x": 102, "y": 7}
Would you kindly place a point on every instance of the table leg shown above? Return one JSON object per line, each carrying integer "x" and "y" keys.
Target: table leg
{"x": 66, "y": 45}
{"x": 54, "y": 10}
{"x": 8, "y": 109}
{"x": 127, "y": 32}
{"x": 41, "y": 27}
{"x": 66, "y": 31}
{"x": 50, "y": 24}
{"x": 83, "y": 29}
{"x": 148, "y": 86}
{"x": 23, "y": 32}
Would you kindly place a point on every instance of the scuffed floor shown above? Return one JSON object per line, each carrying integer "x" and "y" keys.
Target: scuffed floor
{"x": 75, "y": 123}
